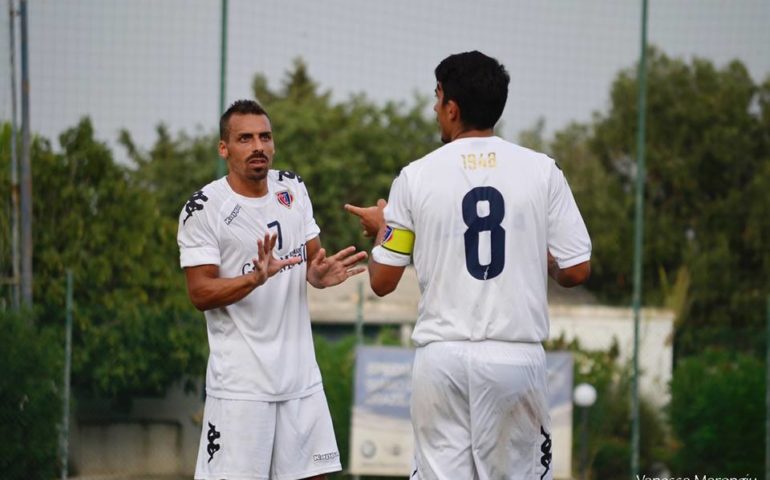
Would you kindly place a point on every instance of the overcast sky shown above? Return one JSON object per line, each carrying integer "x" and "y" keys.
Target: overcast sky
{"x": 134, "y": 63}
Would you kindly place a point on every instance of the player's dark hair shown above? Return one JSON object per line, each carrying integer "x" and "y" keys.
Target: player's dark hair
{"x": 239, "y": 107}
{"x": 478, "y": 84}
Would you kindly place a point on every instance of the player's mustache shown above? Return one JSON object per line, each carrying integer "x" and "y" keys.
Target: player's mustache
{"x": 258, "y": 155}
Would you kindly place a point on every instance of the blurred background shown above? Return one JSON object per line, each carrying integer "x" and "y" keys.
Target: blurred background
{"x": 123, "y": 104}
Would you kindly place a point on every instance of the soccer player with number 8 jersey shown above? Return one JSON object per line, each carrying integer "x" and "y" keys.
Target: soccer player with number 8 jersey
{"x": 485, "y": 222}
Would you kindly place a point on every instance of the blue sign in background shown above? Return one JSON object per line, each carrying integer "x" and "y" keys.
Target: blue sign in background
{"x": 384, "y": 375}
{"x": 560, "y": 368}
{"x": 383, "y": 380}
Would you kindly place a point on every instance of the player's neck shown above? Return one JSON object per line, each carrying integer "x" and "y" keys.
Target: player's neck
{"x": 247, "y": 187}
{"x": 472, "y": 132}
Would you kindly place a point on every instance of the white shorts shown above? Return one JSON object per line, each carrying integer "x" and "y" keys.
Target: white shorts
{"x": 249, "y": 440}
{"x": 480, "y": 411}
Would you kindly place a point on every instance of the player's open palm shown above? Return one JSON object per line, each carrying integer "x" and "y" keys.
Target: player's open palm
{"x": 326, "y": 271}
{"x": 266, "y": 265}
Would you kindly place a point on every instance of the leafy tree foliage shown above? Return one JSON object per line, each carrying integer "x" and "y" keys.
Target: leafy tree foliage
{"x": 707, "y": 212}
{"x": 174, "y": 168}
{"x": 715, "y": 410}
{"x": 30, "y": 404}
{"x": 707, "y": 220}
{"x": 134, "y": 329}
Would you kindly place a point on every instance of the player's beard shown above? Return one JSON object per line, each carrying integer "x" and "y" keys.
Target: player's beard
{"x": 260, "y": 173}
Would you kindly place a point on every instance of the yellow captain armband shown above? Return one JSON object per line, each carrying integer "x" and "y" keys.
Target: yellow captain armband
{"x": 399, "y": 241}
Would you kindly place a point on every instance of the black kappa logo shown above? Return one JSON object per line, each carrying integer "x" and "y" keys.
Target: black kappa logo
{"x": 212, "y": 436}
{"x": 290, "y": 175}
{"x": 193, "y": 206}
{"x": 545, "y": 448}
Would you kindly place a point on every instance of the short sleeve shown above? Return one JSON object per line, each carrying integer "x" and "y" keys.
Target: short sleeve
{"x": 312, "y": 229}
{"x": 398, "y": 215}
{"x": 568, "y": 239}
{"x": 196, "y": 238}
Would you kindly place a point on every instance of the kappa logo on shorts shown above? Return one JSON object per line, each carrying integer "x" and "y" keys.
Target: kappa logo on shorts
{"x": 325, "y": 457}
{"x": 285, "y": 198}
{"x": 212, "y": 436}
{"x": 545, "y": 448}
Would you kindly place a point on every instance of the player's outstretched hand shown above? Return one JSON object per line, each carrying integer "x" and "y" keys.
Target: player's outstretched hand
{"x": 266, "y": 265}
{"x": 372, "y": 218}
{"x": 329, "y": 271}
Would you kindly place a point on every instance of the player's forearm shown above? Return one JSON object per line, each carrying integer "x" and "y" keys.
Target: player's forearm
{"x": 383, "y": 279}
{"x": 220, "y": 292}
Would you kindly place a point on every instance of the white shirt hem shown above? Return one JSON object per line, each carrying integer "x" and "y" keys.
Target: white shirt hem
{"x": 571, "y": 262}
{"x": 264, "y": 397}
{"x": 387, "y": 257}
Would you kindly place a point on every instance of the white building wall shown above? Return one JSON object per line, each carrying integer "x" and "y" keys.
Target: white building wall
{"x": 595, "y": 327}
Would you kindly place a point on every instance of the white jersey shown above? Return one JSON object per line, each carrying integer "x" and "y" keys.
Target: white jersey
{"x": 261, "y": 347}
{"x": 484, "y": 213}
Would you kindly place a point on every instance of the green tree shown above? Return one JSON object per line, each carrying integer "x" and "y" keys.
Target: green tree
{"x": 605, "y": 203}
{"x": 6, "y": 266}
{"x": 134, "y": 329}
{"x": 173, "y": 168}
{"x": 715, "y": 410}
{"x": 706, "y": 206}
{"x": 30, "y": 403}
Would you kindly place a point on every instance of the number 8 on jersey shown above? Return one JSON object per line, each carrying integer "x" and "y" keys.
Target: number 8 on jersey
{"x": 477, "y": 224}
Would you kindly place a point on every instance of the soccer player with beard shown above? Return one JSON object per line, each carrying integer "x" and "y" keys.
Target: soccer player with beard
{"x": 249, "y": 245}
